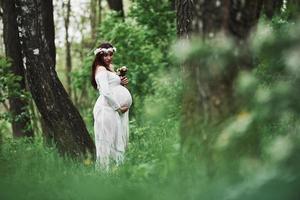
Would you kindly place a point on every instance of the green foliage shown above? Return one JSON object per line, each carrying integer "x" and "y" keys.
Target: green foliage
{"x": 272, "y": 89}
{"x": 152, "y": 13}
{"x": 150, "y": 163}
{"x": 154, "y": 146}
{"x": 27, "y": 168}
{"x": 133, "y": 50}
{"x": 261, "y": 137}
{"x": 142, "y": 45}
{"x": 10, "y": 88}
{"x": 266, "y": 97}
{"x": 255, "y": 152}
{"x": 8, "y": 82}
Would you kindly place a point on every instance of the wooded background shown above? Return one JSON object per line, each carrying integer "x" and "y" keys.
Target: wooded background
{"x": 215, "y": 86}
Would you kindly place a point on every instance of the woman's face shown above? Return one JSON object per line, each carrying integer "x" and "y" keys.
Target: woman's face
{"x": 107, "y": 58}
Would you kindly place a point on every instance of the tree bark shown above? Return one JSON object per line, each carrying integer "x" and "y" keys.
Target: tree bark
{"x": 18, "y": 106}
{"x": 48, "y": 22}
{"x": 205, "y": 19}
{"x": 116, "y": 5}
{"x": 47, "y": 14}
{"x": 67, "y": 12}
{"x": 272, "y": 7}
{"x": 244, "y": 16}
{"x": 57, "y": 110}
{"x": 184, "y": 17}
{"x": 173, "y": 5}
{"x": 209, "y": 95}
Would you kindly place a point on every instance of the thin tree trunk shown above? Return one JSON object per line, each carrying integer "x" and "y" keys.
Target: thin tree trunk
{"x": 116, "y": 5}
{"x": 54, "y": 104}
{"x": 93, "y": 18}
{"x": 2, "y": 47}
{"x": 173, "y": 5}
{"x": 67, "y": 12}
{"x": 99, "y": 12}
{"x": 18, "y": 107}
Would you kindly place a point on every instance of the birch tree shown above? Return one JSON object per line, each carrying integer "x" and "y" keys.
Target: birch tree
{"x": 58, "y": 112}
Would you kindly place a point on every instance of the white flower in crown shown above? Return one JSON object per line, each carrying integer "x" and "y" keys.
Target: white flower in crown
{"x": 105, "y": 50}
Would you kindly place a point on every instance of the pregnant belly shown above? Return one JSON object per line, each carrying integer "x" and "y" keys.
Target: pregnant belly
{"x": 122, "y": 96}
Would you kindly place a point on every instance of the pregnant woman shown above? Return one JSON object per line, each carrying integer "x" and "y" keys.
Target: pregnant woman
{"x": 110, "y": 110}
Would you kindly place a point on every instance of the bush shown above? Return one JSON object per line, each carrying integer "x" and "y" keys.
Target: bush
{"x": 10, "y": 88}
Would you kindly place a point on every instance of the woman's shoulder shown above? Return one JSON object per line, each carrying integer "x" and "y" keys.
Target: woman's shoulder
{"x": 100, "y": 68}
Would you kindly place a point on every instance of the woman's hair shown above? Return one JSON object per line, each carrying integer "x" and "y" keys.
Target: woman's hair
{"x": 98, "y": 61}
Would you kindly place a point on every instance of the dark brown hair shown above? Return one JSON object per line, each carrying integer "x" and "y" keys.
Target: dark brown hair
{"x": 98, "y": 61}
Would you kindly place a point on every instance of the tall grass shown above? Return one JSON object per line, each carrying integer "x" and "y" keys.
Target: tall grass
{"x": 156, "y": 167}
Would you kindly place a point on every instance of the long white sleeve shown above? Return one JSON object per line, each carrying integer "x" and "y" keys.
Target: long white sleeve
{"x": 103, "y": 87}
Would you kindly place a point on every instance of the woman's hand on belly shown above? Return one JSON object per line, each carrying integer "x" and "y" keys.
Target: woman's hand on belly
{"x": 122, "y": 109}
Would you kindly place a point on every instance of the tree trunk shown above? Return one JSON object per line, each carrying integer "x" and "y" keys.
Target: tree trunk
{"x": 48, "y": 22}
{"x": 272, "y": 7}
{"x": 54, "y": 104}
{"x": 93, "y": 19}
{"x": 173, "y": 5}
{"x": 244, "y": 15}
{"x": 47, "y": 14}
{"x": 206, "y": 18}
{"x": 67, "y": 12}
{"x": 2, "y": 47}
{"x": 185, "y": 10}
{"x": 116, "y": 5}
{"x": 99, "y": 12}
{"x": 209, "y": 95}
{"x": 18, "y": 106}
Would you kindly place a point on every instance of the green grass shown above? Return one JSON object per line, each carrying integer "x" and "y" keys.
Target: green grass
{"x": 156, "y": 165}
{"x": 154, "y": 169}
{"x": 29, "y": 170}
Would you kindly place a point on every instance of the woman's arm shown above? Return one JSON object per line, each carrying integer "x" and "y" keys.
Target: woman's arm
{"x": 102, "y": 82}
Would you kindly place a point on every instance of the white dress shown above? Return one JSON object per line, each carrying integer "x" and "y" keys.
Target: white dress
{"x": 110, "y": 127}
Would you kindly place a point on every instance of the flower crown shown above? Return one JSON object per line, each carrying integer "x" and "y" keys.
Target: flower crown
{"x": 105, "y": 50}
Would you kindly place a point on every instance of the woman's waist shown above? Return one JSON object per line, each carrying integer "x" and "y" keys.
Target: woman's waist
{"x": 101, "y": 100}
